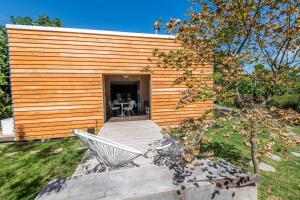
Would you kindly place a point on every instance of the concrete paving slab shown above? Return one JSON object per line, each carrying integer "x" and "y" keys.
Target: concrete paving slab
{"x": 153, "y": 182}
{"x": 7, "y": 138}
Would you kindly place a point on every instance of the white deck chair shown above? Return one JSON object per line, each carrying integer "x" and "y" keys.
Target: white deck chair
{"x": 129, "y": 108}
{"x": 109, "y": 153}
{"x": 113, "y": 108}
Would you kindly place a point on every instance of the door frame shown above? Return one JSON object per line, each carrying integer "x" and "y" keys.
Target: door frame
{"x": 104, "y": 99}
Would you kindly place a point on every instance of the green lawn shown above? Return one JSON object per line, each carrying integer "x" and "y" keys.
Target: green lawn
{"x": 26, "y": 168}
{"x": 283, "y": 184}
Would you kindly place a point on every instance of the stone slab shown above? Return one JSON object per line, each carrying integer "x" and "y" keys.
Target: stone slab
{"x": 274, "y": 157}
{"x": 266, "y": 167}
{"x": 296, "y": 154}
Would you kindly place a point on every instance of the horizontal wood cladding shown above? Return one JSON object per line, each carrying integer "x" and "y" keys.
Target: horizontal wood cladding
{"x": 57, "y": 80}
{"x": 82, "y": 35}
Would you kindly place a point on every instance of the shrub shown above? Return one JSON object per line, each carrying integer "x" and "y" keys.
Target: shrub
{"x": 287, "y": 101}
{"x": 5, "y": 99}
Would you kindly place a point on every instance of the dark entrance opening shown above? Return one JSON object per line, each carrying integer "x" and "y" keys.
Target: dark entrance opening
{"x": 127, "y": 91}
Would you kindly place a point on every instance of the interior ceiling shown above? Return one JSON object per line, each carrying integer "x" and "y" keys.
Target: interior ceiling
{"x": 124, "y": 82}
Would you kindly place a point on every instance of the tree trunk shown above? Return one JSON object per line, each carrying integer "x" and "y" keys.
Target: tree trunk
{"x": 254, "y": 155}
{"x": 239, "y": 97}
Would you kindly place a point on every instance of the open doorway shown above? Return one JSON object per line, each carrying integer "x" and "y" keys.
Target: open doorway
{"x": 123, "y": 91}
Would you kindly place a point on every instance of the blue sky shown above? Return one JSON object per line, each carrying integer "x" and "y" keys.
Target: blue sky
{"x": 118, "y": 15}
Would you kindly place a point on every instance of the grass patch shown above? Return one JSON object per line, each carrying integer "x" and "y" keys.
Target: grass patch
{"x": 296, "y": 130}
{"x": 283, "y": 184}
{"x": 27, "y": 168}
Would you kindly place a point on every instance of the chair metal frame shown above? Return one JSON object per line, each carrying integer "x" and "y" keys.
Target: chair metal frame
{"x": 113, "y": 108}
{"x": 129, "y": 108}
{"x": 109, "y": 153}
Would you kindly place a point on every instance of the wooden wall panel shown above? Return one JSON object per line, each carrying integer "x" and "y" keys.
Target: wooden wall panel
{"x": 57, "y": 79}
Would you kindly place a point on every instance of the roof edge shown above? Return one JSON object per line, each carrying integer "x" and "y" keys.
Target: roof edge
{"x": 90, "y": 31}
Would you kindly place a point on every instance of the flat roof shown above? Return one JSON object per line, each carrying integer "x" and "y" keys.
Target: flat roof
{"x": 90, "y": 31}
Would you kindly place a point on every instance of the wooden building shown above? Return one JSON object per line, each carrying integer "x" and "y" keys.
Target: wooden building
{"x": 62, "y": 79}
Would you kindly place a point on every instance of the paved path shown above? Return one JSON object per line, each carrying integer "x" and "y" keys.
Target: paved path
{"x": 135, "y": 134}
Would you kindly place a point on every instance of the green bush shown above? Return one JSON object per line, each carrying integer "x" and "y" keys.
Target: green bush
{"x": 5, "y": 98}
{"x": 226, "y": 102}
{"x": 287, "y": 101}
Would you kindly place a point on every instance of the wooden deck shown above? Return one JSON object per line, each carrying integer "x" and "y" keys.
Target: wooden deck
{"x": 137, "y": 134}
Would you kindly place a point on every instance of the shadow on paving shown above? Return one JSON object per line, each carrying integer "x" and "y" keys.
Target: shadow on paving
{"x": 223, "y": 174}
